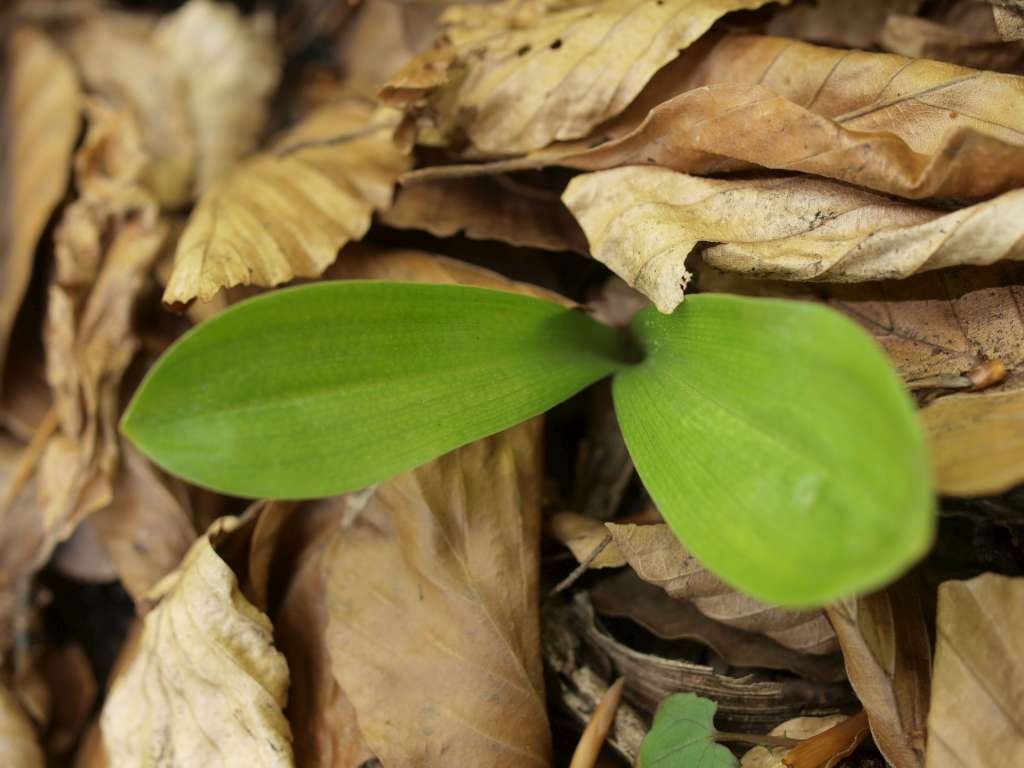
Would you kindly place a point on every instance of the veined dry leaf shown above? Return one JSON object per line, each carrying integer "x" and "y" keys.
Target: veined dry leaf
{"x": 18, "y": 744}
{"x": 977, "y": 705}
{"x": 790, "y": 228}
{"x": 658, "y": 557}
{"x": 322, "y": 718}
{"x": 838, "y": 22}
{"x": 487, "y": 208}
{"x": 513, "y": 77}
{"x": 207, "y": 686}
{"x": 434, "y": 609}
{"x": 39, "y": 130}
{"x": 920, "y": 38}
{"x": 584, "y": 536}
{"x": 286, "y": 212}
{"x": 885, "y": 643}
{"x": 797, "y": 728}
{"x": 230, "y": 66}
{"x": 626, "y": 595}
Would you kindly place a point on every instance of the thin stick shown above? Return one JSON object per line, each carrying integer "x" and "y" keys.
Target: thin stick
{"x": 28, "y": 460}
{"x": 755, "y": 738}
{"x": 573, "y": 577}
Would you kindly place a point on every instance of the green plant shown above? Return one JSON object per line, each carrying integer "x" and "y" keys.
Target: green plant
{"x": 774, "y": 436}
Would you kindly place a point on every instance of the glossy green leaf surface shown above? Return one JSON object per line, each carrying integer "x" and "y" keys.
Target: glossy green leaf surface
{"x": 683, "y": 736}
{"x": 326, "y": 388}
{"x": 779, "y": 445}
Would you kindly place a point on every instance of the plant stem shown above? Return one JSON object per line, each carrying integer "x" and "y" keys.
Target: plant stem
{"x": 754, "y": 738}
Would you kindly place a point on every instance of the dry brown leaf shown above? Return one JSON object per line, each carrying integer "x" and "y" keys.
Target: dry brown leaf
{"x": 584, "y": 537}
{"x": 514, "y": 76}
{"x": 838, "y": 22}
{"x": 287, "y": 211}
{"x": 828, "y": 748}
{"x": 790, "y": 228}
{"x": 73, "y": 691}
{"x": 885, "y": 644}
{"x": 919, "y": 38}
{"x": 230, "y": 66}
{"x": 434, "y": 610}
{"x": 487, "y": 208}
{"x": 39, "y": 130}
{"x": 207, "y": 686}
{"x": 658, "y": 557}
{"x": 18, "y": 745}
{"x": 1009, "y": 22}
{"x": 797, "y": 728}
{"x": 322, "y": 718}
{"x": 626, "y": 595}
{"x": 977, "y": 705}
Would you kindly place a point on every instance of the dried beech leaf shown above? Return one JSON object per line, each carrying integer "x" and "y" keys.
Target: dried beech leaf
{"x": 839, "y": 22}
{"x": 40, "y": 127}
{"x": 285, "y": 212}
{"x": 584, "y": 536}
{"x": 919, "y": 38}
{"x": 487, "y": 209}
{"x": 207, "y": 686}
{"x": 434, "y": 610}
{"x": 790, "y": 228}
{"x": 977, "y": 705}
{"x": 230, "y": 66}
{"x": 885, "y": 644}
{"x": 797, "y": 728}
{"x": 18, "y": 745}
{"x": 514, "y": 77}
{"x": 657, "y": 556}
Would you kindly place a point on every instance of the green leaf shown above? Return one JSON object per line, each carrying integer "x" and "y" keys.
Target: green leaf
{"x": 683, "y": 736}
{"x": 331, "y": 387}
{"x": 779, "y": 445}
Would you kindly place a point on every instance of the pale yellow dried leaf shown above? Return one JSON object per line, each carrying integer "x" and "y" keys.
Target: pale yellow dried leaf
{"x": 207, "y": 686}
{"x": 486, "y": 208}
{"x": 230, "y": 65}
{"x": 584, "y": 536}
{"x": 644, "y": 221}
{"x": 117, "y": 59}
{"x": 797, "y": 728}
{"x": 39, "y": 130}
{"x": 433, "y": 601}
{"x": 658, "y": 557}
{"x": 286, "y": 212}
{"x": 887, "y": 652}
{"x": 977, "y": 705}
{"x": 515, "y": 76}
{"x": 19, "y": 746}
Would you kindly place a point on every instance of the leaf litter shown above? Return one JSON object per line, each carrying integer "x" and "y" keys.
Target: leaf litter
{"x": 595, "y": 153}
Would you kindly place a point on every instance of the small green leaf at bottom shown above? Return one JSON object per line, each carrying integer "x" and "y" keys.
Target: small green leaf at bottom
{"x": 683, "y": 736}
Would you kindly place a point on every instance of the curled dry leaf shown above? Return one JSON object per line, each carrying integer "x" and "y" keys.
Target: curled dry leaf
{"x": 790, "y": 228}
{"x": 18, "y": 744}
{"x": 838, "y": 22}
{"x": 40, "y": 127}
{"x": 797, "y": 728}
{"x": 658, "y": 557}
{"x": 286, "y": 212}
{"x": 206, "y": 686}
{"x": 587, "y": 539}
{"x": 885, "y": 644}
{"x": 514, "y": 77}
{"x": 588, "y": 750}
{"x": 230, "y": 66}
{"x": 977, "y": 705}
{"x": 919, "y": 38}
{"x": 487, "y": 208}
{"x": 434, "y": 608}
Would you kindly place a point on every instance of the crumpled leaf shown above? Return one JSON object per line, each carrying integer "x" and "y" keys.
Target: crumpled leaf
{"x": 230, "y": 66}
{"x": 838, "y": 22}
{"x": 487, "y": 208}
{"x": 683, "y": 735}
{"x": 18, "y": 744}
{"x": 286, "y": 212}
{"x": 977, "y": 704}
{"x": 434, "y": 610}
{"x": 207, "y": 686}
{"x": 584, "y": 537}
{"x": 919, "y": 38}
{"x": 885, "y": 643}
{"x": 514, "y": 77}
{"x": 658, "y": 557}
{"x": 790, "y": 228}
{"x": 39, "y": 130}
{"x": 797, "y": 728}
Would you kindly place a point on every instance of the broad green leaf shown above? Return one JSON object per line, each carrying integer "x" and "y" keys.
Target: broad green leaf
{"x": 779, "y": 445}
{"x": 327, "y": 388}
{"x": 683, "y": 736}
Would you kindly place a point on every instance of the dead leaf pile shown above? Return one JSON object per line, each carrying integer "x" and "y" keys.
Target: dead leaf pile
{"x": 518, "y": 601}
